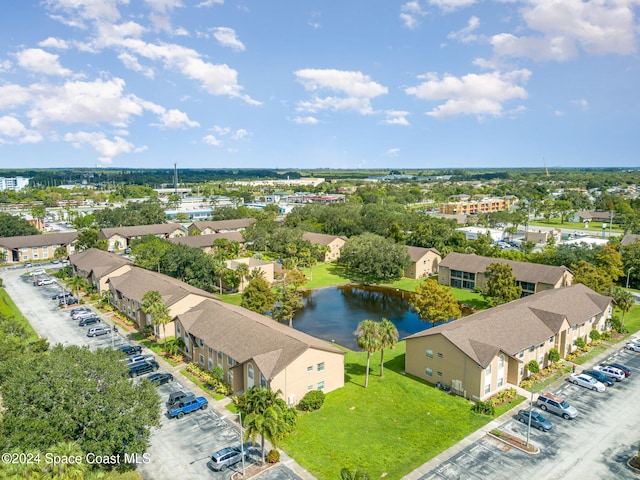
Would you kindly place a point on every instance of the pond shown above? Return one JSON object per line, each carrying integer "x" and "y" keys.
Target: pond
{"x": 334, "y": 313}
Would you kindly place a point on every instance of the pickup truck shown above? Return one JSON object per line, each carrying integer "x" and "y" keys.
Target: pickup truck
{"x": 187, "y": 405}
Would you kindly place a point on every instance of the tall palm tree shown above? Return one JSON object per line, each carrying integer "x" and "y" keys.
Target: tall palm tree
{"x": 368, "y": 340}
{"x": 76, "y": 283}
{"x": 219, "y": 268}
{"x": 388, "y": 339}
{"x": 153, "y": 304}
{"x": 269, "y": 424}
{"x": 242, "y": 270}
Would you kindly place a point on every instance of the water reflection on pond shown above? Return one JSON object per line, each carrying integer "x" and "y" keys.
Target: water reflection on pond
{"x": 334, "y": 313}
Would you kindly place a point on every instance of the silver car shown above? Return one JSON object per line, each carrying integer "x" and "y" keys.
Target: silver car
{"x": 553, "y": 404}
{"x": 225, "y": 458}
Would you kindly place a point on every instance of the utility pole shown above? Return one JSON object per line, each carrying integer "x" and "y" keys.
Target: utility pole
{"x": 175, "y": 178}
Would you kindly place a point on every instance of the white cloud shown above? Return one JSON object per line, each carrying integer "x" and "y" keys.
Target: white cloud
{"x": 410, "y": 14}
{"x": 161, "y": 10}
{"x": 209, "y": 3}
{"x": 582, "y": 103}
{"x": 451, "y": 5}
{"x": 87, "y": 9}
{"x": 175, "y": 119}
{"x": 227, "y": 38}
{"x": 13, "y": 95}
{"x": 393, "y": 152}
{"x": 306, "y": 120}
{"x": 52, "y": 42}
{"x": 105, "y": 148}
{"x": 14, "y": 129}
{"x": 465, "y": 35}
{"x": 396, "y": 117}
{"x": 570, "y": 26}
{"x": 39, "y": 61}
{"x": 132, "y": 63}
{"x": 83, "y": 102}
{"x": 480, "y": 95}
{"x": 240, "y": 134}
{"x": 358, "y": 90}
{"x": 211, "y": 140}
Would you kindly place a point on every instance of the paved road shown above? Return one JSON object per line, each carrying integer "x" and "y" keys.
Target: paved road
{"x": 595, "y": 445}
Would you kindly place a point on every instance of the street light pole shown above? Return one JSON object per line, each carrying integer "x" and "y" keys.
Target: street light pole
{"x": 530, "y": 410}
{"x": 239, "y": 414}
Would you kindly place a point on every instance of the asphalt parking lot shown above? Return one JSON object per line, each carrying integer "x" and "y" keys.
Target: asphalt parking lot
{"x": 595, "y": 445}
{"x": 180, "y": 448}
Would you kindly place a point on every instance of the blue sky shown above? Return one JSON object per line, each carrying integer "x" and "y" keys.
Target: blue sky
{"x": 319, "y": 84}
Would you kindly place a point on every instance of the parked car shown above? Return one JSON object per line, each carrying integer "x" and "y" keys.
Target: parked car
{"x": 79, "y": 315}
{"x": 587, "y": 381}
{"x": 58, "y": 296}
{"x": 78, "y": 310}
{"x": 634, "y": 347}
{"x": 139, "y": 358}
{"x": 68, "y": 301}
{"x": 225, "y": 458}
{"x": 537, "y": 420}
{"x": 160, "y": 378}
{"x": 89, "y": 321}
{"x": 131, "y": 349}
{"x": 176, "y": 397}
{"x": 97, "y": 331}
{"x": 612, "y": 372}
{"x": 188, "y": 405}
{"x": 37, "y": 272}
{"x": 44, "y": 281}
{"x": 624, "y": 368}
{"x": 601, "y": 377}
{"x": 28, "y": 265}
{"x": 143, "y": 367}
{"x": 553, "y": 404}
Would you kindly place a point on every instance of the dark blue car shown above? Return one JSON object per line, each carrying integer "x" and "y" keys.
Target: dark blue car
{"x": 601, "y": 377}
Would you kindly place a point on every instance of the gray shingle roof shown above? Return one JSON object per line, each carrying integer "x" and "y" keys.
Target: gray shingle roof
{"x": 141, "y": 230}
{"x": 629, "y": 239}
{"x": 62, "y": 238}
{"x": 234, "y": 224}
{"x": 416, "y": 253}
{"x": 98, "y": 261}
{"x": 201, "y": 241}
{"x": 244, "y": 335}
{"x": 523, "y": 271}
{"x": 517, "y": 325}
{"x": 138, "y": 281}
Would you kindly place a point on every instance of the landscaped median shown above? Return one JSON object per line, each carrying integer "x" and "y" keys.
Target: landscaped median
{"x": 388, "y": 429}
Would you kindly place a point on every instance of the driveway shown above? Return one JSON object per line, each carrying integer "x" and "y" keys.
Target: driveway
{"x": 180, "y": 448}
{"x": 595, "y": 445}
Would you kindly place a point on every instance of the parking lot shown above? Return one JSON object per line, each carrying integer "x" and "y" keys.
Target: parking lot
{"x": 595, "y": 445}
{"x": 180, "y": 448}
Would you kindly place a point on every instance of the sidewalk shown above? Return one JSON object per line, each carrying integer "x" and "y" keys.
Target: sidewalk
{"x": 495, "y": 423}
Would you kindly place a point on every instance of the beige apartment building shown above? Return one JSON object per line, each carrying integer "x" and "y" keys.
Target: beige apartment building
{"x": 120, "y": 238}
{"x": 29, "y": 248}
{"x": 424, "y": 262}
{"x": 220, "y": 226}
{"x": 479, "y": 355}
{"x": 461, "y": 270}
{"x": 334, "y": 244}
{"x": 98, "y": 266}
{"x": 474, "y": 207}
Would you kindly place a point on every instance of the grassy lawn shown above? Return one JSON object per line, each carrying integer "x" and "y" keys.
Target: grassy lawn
{"x": 9, "y": 309}
{"x": 390, "y": 428}
{"x": 326, "y": 275}
{"x": 632, "y": 319}
{"x": 594, "y": 227}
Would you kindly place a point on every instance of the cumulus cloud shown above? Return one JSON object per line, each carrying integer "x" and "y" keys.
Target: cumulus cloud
{"x": 80, "y": 10}
{"x": 396, "y": 117}
{"x": 175, "y": 119}
{"x": 227, "y": 38}
{"x": 568, "y": 27}
{"x": 105, "y": 148}
{"x": 52, "y": 42}
{"x": 211, "y": 140}
{"x": 16, "y": 132}
{"x": 480, "y": 95}
{"x": 131, "y": 62}
{"x": 357, "y": 90}
{"x": 466, "y": 35}
{"x": 393, "y": 152}
{"x": 410, "y": 14}
{"x": 160, "y": 13}
{"x": 308, "y": 120}
{"x": 39, "y": 61}
{"x": 451, "y": 5}
{"x": 12, "y": 95}
{"x": 209, "y": 3}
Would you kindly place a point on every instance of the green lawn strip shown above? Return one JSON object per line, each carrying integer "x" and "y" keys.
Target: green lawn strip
{"x": 632, "y": 319}
{"x": 155, "y": 347}
{"x": 594, "y": 227}
{"x": 392, "y": 427}
{"x": 203, "y": 387}
{"x": 232, "y": 298}
{"x": 9, "y": 309}
{"x": 594, "y": 352}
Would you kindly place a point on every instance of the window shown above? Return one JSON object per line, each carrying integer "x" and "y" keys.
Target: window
{"x": 551, "y": 339}
{"x": 201, "y": 343}
{"x": 532, "y": 348}
{"x": 178, "y": 331}
{"x": 429, "y": 353}
{"x": 439, "y": 355}
{"x": 211, "y": 351}
{"x": 321, "y": 366}
{"x": 439, "y": 374}
{"x": 541, "y": 360}
{"x": 201, "y": 359}
{"x": 263, "y": 381}
{"x": 487, "y": 388}
{"x": 501, "y": 361}
{"x": 310, "y": 368}
{"x": 521, "y": 371}
{"x": 229, "y": 361}
{"x": 487, "y": 370}
{"x": 428, "y": 372}
{"x": 219, "y": 355}
{"x": 500, "y": 382}
{"x": 309, "y": 387}
{"x": 521, "y": 354}
{"x": 230, "y": 378}
{"x": 320, "y": 385}
{"x": 250, "y": 371}
{"x": 211, "y": 364}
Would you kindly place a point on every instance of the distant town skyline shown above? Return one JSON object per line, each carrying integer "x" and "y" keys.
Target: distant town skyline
{"x": 419, "y": 84}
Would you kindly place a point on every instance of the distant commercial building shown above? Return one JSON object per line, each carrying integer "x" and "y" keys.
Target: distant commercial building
{"x": 473, "y": 207}
{"x": 13, "y": 183}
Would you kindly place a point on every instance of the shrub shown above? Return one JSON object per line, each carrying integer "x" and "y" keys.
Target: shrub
{"x": 605, "y": 336}
{"x": 312, "y": 401}
{"x": 147, "y": 331}
{"x": 580, "y": 343}
{"x": 553, "y": 355}
{"x": 218, "y": 373}
{"x": 616, "y": 325}
{"x": 273, "y": 456}
{"x": 484, "y": 408}
{"x": 595, "y": 335}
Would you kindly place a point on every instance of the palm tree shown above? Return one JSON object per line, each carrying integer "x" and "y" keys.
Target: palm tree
{"x": 388, "y": 339}
{"x": 219, "y": 268}
{"x": 368, "y": 340}
{"x": 68, "y": 471}
{"x": 623, "y": 300}
{"x": 153, "y": 303}
{"x": 242, "y": 270}
{"x": 76, "y": 283}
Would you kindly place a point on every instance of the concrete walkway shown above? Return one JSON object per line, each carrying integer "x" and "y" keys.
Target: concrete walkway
{"x": 496, "y": 422}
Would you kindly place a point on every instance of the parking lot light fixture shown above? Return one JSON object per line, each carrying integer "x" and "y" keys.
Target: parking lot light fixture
{"x": 239, "y": 415}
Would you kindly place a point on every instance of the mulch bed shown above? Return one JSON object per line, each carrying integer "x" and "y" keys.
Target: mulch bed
{"x": 252, "y": 470}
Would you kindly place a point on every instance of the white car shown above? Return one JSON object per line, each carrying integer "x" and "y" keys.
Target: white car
{"x": 37, "y": 272}
{"x": 45, "y": 281}
{"x": 634, "y": 347}
{"x": 612, "y": 372}
{"x": 584, "y": 380}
